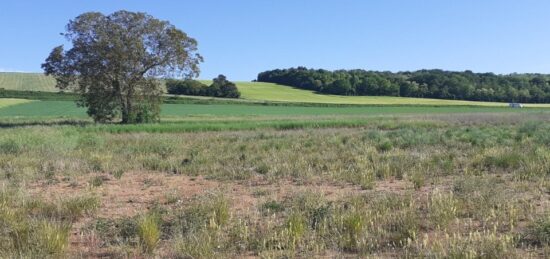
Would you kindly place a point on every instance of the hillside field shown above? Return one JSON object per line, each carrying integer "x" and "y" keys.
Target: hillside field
{"x": 260, "y": 92}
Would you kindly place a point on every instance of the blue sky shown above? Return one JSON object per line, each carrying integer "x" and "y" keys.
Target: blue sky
{"x": 240, "y": 38}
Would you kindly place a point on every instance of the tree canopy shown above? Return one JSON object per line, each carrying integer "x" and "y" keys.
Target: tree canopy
{"x": 220, "y": 87}
{"x": 115, "y": 63}
{"x": 529, "y": 88}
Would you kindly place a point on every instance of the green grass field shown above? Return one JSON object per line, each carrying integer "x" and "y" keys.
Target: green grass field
{"x": 9, "y": 102}
{"x": 27, "y": 81}
{"x": 25, "y": 108}
{"x": 261, "y": 92}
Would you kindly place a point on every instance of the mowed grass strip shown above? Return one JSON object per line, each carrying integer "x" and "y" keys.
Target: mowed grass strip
{"x": 10, "y": 102}
{"x": 69, "y": 109}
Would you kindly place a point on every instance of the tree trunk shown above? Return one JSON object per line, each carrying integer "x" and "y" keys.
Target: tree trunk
{"x": 128, "y": 115}
{"x": 125, "y": 113}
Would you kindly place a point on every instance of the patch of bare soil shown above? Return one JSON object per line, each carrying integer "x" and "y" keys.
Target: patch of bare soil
{"x": 136, "y": 192}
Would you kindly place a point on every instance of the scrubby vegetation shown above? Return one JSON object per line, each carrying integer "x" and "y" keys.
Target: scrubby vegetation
{"x": 529, "y": 88}
{"x": 467, "y": 186}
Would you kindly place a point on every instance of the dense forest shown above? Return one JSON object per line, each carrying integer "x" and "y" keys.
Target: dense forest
{"x": 528, "y": 88}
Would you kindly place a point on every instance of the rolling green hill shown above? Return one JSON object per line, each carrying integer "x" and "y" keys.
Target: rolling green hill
{"x": 27, "y": 81}
{"x": 261, "y": 92}
{"x": 274, "y": 92}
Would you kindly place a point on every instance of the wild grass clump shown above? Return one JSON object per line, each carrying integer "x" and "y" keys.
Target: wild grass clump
{"x": 117, "y": 232}
{"x": 96, "y": 181}
{"x": 149, "y": 232}
{"x": 33, "y": 228}
{"x": 295, "y": 228}
{"x": 384, "y": 145}
{"x": 500, "y": 158}
{"x": 418, "y": 179}
{"x": 201, "y": 245}
{"x": 353, "y": 225}
{"x": 488, "y": 200}
{"x": 442, "y": 208}
{"x": 536, "y": 165}
{"x": 52, "y": 238}
{"x": 75, "y": 207}
{"x": 198, "y": 228}
{"x": 272, "y": 206}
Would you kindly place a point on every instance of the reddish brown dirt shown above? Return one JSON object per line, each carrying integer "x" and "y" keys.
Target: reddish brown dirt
{"x": 136, "y": 192}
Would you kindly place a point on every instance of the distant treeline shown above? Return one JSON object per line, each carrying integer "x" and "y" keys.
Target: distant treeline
{"x": 220, "y": 87}
{"x": 528, "y": 88}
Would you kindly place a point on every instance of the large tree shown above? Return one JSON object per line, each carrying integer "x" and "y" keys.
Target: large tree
{"x": 115, "y": 63}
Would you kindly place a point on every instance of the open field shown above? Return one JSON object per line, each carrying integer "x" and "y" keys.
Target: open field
{"x": 69, "y": 109}
{"x": 463, "y": 186}
{"x": 225, "y": 179}
{"x": 26, "y": 81}
{"x": 9, "y": 102}
{"x": 261, "y": 92}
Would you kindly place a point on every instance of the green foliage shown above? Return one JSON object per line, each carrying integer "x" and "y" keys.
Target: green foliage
{"x": 97, "y": 69}
{"x": 220, "y": 87}
{"x": 384, "y": 146}
{"x": 423, "y": 83}
{"x": 186, "y": 87}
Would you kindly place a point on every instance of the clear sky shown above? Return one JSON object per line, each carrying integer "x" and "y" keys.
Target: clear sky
{"x": 240, "y": 38}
